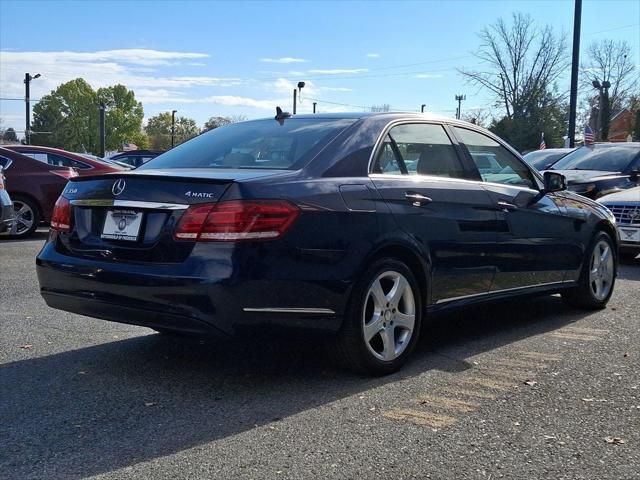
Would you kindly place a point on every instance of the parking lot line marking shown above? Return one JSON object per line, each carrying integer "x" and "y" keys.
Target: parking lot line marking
{"x": 502, "y": 372}
{"x": 541, "y": 356}
{"x": 417, "y": 417}
{"x": 592, "y": 331}
{"x": 574, "y": 336}
{"x": 469, "y": 393}
{"x": 507, "y": 362}
{"x": 448, "y": 403}
{"x": 488, "y": 382}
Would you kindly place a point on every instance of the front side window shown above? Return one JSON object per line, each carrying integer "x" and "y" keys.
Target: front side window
{"x": 419, "y": 149}
{"x": 495, "y": 163}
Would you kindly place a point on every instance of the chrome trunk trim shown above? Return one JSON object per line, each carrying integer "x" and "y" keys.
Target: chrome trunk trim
{"x": 128, "y": 204}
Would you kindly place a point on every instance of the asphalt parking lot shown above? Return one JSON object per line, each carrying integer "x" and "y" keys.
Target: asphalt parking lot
{"x": 525, "y": 389}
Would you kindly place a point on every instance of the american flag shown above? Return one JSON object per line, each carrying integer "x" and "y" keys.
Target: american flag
{"x": 542, "y": 144}
{"x": 588, "y": 135}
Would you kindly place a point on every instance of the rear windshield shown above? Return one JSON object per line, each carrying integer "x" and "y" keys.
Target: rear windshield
{"x": 257, "y": 144}
{"x": 605, "y": 157}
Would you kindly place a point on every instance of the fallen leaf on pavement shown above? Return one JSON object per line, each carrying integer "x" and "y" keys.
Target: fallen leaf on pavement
{"x": 26, "y": 347}
{"x": 150, "y": 404}
{"x": 614, "y": 440}
{"x": 587, "y": 399}
{"x": 531, "y": 383}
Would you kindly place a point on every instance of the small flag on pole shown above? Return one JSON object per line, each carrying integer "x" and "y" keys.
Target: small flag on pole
{"x": 588, "y": 135}
{"x": 542, "y": 144}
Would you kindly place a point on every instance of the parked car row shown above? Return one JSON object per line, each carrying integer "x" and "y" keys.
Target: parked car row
{"x": 34, "y": 177}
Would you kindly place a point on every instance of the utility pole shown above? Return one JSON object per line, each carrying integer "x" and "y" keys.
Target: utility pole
{"x": 173, "y": 128}
{"x": 27, "y": 125}
{"x": 422, "y": 108}
{"x": 314, "y": 107}
{"x": 575, "y": 59}
{"x": 459, "y": 99}
{"x": 102, "y": 128}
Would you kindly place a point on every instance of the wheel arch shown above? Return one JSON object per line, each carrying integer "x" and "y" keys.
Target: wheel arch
{"x": 604, "y": 226}
{"x": 417, "y": 263}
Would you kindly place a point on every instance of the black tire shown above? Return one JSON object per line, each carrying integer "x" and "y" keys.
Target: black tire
{"x": 583, "y": 295}
{"x": 349, "y": 349}
{"x": 19, "y": 230}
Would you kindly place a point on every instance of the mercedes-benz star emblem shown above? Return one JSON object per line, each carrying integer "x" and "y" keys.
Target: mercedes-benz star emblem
{"x": 118, "y": 187}
{"x": 634, "y": 216}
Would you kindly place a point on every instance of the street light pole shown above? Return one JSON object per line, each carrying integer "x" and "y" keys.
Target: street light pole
{"x": 173, "y": 128}
{"x": 314, "y": 107}
{"x": 422, "y": 108}
{"x": 459, "y": 99}
{"x": 27, "y": 126}
{"x": 102, "y": 129}
{"x": 575, "y": 59}
{"x": 295, "y": 96}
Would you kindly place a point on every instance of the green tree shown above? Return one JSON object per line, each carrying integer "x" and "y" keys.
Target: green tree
{"x": 9, "y": 135}
{"x": 123, "y": 117}
{"x": 158, "y": 130}
{"x": 68, "y": 117}
{"x": 524, "y": 129}
{"x": 215, "y": 122}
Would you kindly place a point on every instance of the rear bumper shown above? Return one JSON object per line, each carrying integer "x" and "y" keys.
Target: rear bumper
{"x": 199, "y": 296}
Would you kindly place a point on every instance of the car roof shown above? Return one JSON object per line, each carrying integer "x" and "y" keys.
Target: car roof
{"x": 362, "y": 115}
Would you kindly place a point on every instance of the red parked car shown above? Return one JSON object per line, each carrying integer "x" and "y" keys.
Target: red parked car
{"x": 84, "y": 165}
{"x": 34, "y": 187}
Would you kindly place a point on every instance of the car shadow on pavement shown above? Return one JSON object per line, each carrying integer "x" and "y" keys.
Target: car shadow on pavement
{"x": 101, "y": 408}
{"x": 40, "y": 234}
{"x": 629, "y": 270}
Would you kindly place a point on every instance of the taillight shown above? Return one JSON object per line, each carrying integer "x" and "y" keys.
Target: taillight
{"x": 236, "y": 220}
{"x": 70, "y": 173}
{"x": 61, "y": 217}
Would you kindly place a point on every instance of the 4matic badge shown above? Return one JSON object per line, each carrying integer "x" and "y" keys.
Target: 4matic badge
{"x": 198, "y": 194}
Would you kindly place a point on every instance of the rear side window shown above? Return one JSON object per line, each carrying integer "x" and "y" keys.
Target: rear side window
{"x": 260, "y": 144}
{"x": 419, "y": 149}
{"x": 4, "y": 162}
{"x": 495, "y": 163}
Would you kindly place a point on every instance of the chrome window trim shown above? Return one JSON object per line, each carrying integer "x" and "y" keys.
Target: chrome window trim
{"x": 128, "y": 204}
{"x": 462, "y": 297}
{"x": 318, "y": 311}
{"x": 394, "y": 123}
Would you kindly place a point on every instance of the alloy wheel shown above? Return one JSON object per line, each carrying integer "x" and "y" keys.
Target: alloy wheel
{"x": 389, "y": 316}
{"x": 24, "y": 216}
{"x": 601, "y": 270}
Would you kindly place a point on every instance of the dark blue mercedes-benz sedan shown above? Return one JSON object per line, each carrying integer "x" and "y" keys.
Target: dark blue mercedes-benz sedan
{"x": 355, "y": 225}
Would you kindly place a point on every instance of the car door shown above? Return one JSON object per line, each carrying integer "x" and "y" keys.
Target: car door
{"x": 421, "y": 177}
{"x": 538, "y": 245}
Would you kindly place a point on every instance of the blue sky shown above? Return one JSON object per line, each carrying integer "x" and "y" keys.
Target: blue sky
{"x": 242, "y": 58}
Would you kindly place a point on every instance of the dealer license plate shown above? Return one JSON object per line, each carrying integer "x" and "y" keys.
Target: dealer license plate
{"x": 629, "y": 234}
{"x": 122, "y": 225}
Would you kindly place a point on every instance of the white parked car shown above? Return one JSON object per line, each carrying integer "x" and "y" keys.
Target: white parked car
{"x": 625, "y": 205}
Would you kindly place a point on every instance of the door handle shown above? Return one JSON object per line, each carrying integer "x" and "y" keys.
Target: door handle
{"x": 507, "y": 206}
{"x": 417, "y": 199}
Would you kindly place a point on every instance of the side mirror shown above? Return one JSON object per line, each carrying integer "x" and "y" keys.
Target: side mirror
{"x": 554, "y": 182}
